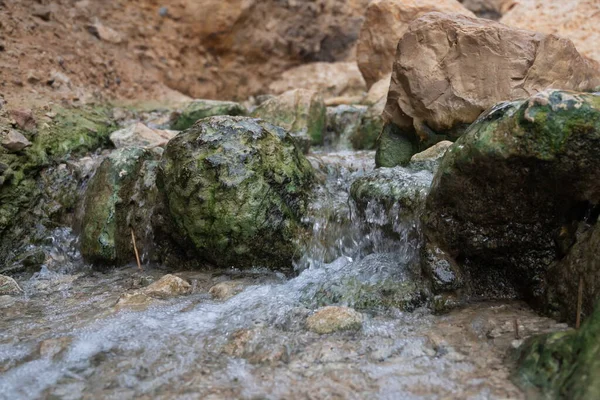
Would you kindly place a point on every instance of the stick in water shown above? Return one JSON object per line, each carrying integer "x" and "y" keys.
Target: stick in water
{"x": 579, "y": 302}
{"x": 137, "y": 255}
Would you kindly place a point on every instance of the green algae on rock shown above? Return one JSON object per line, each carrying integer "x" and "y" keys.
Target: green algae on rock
{"x": 236, "y": 189}
{"x": 296, "y": 111}
{"x": 113, "y": 206}
{"x": 393, "y": 147}
{"x": 508, "y": 191}
{"x": 199, "y": 109}
{"x": 563, "y": 365}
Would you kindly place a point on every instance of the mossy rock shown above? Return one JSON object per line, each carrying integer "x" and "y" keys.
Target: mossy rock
{"x": 563, "y": 365}
{"x": 236, "y": 190}
{"x": 393, "y": 147}
{"x": 377, "y": 282}
{"x": 296, "y": 111}
{"x": 343, "y": 123}
{"x": 199, "y": 109}
{"x": 112, "y": 204}
{"x": 28, "y": 198}
{"x": 516, "y": 186}
{"x": 369, "y": 131}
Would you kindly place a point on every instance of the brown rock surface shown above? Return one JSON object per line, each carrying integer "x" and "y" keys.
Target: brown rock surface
{"x": 449, "y": 69}
{"x": 333, "y": 319}
{"x": 578, "y": 20}
{"x": 385, "y": 23}
{"x": 331, "y": 79}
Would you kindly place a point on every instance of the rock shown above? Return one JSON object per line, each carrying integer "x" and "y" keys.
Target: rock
{"x": 14, "y": 141}
{"x": 42, "y": 12}
{"x": 334, "y": 319}
{"x": 113, "y": 207}
{"x": 236, "y": 189}
{"x": 489, "y": 9}
{"x": 444, "y": 272}
{"x": 199, "y": 109}
{"x": 139, "y": 135}
{"x": 226, "y": 290}
{"x": 377, "y": 94}
{"x": 379, "y": 281}
{"x": 509, "y": 194}
{"x": 393, "y": 147}
{"x": 54, "y": 347}
{"x": 296, "y": 111}
{"x": 574, "y": 20}
{"x": 343, "y": 123}
{"x": 372, "y": 123}
{"x": 429, "y": 100}
{"x": 136, "y": 301}
{"x": 563, "y": 365}
{"x": 24, "y": 119}
{"x": 330, "y": 79}
{"x": 105, "y": 33}
{"x": 343, "y": 100}
{"x": 385, "y": 23}
{"x": 581, "y": 261}
{"x": 430, "y": 158}
{"x": 8, "y": 286}
{"x": 166, "y": 287}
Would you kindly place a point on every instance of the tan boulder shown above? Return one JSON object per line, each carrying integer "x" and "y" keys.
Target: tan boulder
{"x": 168, "y": 286}
{"x": 449, "y": 69}
{"x": 226, "y": 290}
{"x": 577, "y": 20}
{"x": 139, "y": 135}
{"x": 13, "y": 140}
{"x": 385, "y": 23}
{"x": 331, "y": 79}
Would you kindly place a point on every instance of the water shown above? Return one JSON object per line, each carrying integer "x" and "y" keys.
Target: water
{"x": 64, "y": 338}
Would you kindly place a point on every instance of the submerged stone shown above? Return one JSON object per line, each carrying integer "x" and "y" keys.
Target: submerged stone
{"x": 199, "y": 109}
{"x": 296, "y": 111}
{"x": 236, "y": 190}
{"x": 508, "y": 195}
{"x": 334, "y": 319}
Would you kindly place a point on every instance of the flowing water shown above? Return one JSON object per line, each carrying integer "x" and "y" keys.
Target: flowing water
{"x": 65, "y": 338}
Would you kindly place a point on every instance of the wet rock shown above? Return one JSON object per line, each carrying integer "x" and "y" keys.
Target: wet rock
{"x": 113, "y": 207}
{"x": 563, "y": 364}
{"x": 24, "y": 119}
{"x": 393, "y": 147}
{"x": 226, "y": 290}
{"x": 139, "y": 135}
{"x": 577, "y": 21}
{"x": 168, "y": 286}
{"x": 14, "y": 141}
{"x": 296, "y": 111}
{"x": 55, "y": 347}
{"x": 136, "y": 301}
{"x": 199, "y": 109}
{"x": 334, "y": 319}
{"x": 330, "y": 79}
{"x": 445, "y": 274}
{"x": 581, "y": 261}
{"x": 430, "y": 159}
{"x": 377, "y": 282}
{"x": 343, "y": 123}
{"x": 8, "y": 286}
{"x": 429, "y": 100}
{"x": 236, "y": 189}
{"x": 485, "y": 205}
{"x": 385, "y": 23}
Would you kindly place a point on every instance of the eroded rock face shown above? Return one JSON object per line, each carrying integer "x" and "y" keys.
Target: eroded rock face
{"x": 575, "y": 20}
{"x": 236, "y": 189}
{"x": 385, "y": 23}
{"x": 297, "y": 111}
{"x": 331, "y": 79}
{"x": 510, "y": 194}
{"x": 119, "y": 199}
{"x": 431, "y": 99}
{"x": 199, "y": 109}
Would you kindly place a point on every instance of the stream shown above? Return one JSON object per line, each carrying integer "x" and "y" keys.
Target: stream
{"x": 67, "y": 338}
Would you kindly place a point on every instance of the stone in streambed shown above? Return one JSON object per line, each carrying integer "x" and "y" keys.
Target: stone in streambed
{"x": 334, "y": 319}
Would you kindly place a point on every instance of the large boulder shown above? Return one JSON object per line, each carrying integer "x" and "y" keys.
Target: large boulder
{"x": 385, "y": 23}
{"x": 578, "y": 21}
{"x": 509, "y": 196}
{"x": 118, "y": 201}
{"x": 449, "y": 69}
{"x": 563, "y": 365}
{"x": 199, "y": 109}
{"x": 300, "y": 112}
{"x": 236, "y": 189}
{"x": 331, "y": 79}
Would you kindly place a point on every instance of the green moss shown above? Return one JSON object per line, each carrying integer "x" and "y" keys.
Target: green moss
{"x": 199, "y": 109}
{"x": 394, "y": 147}
{"x": 563, "y": 365}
